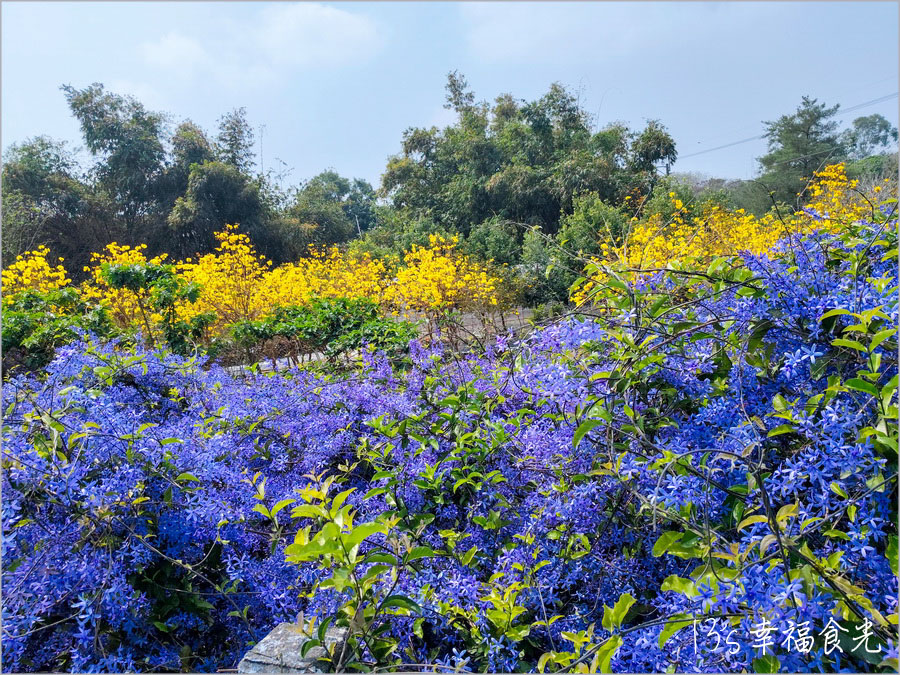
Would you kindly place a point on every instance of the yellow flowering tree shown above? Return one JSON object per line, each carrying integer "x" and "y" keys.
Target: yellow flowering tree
{"x": 684, "y": 240}
{"x": 126, "y": 307}
{"x": 230, "y": 278}
{"x": 33, "y": 271}
{"x": 237, "y": 284}
{"x": 324, "y": 274}
{"x": 438, "y": 277}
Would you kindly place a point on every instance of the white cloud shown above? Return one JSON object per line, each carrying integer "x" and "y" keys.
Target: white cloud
{"x": 143, "y": 92}
{"x": 545, "y": 33}
{"x": 308, "y": 35}
{"x": 564, "y": 33}
{"x": 177, "y": 53}
{"x": 278, "y": 39}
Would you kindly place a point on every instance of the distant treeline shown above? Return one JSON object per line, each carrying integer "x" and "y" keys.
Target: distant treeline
{"x": 513, "y": 178}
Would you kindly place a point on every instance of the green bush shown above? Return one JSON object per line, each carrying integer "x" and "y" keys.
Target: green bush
{"x": 330, "y": 325}
{"x": 36, "y": 323}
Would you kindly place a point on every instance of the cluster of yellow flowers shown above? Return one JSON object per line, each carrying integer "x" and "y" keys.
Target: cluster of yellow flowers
{"x": 125, "y": 307}
{"x": 437, "y": 277}
{"x": 325, "y": 274}
{"x": 655, "y": 243}
{"x": 839, "y": 199}
{"x": 230, "y": 278}
{"x": 716, "y": 231}
{"x": 239, "y": 284}
{"x": 32, "y": 270}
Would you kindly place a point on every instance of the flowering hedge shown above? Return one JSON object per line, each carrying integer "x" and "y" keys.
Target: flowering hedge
{"x": 694, "y": 234}
{"x": 238, "y": 284}
{"x": 688, "y": 480}
{"x": 33, "y": 271}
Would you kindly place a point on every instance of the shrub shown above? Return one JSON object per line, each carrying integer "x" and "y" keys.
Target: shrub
{"x": 35, "y": 323}
{"x": 333, "y": 326}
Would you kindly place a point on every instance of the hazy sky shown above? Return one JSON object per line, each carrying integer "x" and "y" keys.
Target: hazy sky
{"x": 336, "y": 84}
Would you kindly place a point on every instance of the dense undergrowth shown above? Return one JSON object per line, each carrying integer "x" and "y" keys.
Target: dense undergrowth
{"x": 695, "y": 472}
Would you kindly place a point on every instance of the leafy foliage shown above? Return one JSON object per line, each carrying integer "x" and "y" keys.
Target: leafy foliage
{"x": 36, "y": 322}
{"x": 332, "y": 326}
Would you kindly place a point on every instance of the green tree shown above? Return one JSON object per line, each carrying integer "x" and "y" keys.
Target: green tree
{"x": 235, "y": 140}
{"x": 652, "y": 147}
{"x": 591, "y": 224}
{"x": 459, "y": 97}
{"x": 522, "y": 161}
{"x": 190, "y": 146}
{"x": 328, "y": 209}
{"x": 359, "y": 204}
{"x": 869, "y": 136}
{"x": 798, "y": 145}
{"x": 218, "y": 194}
{"x": 496, "y": 239}
{"x": 129, "y": 141}
{"x": 45, "y": 202}
{"x": 542, "y": 276}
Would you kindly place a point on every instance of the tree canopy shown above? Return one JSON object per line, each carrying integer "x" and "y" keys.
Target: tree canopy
{"x": 523, "y": 183}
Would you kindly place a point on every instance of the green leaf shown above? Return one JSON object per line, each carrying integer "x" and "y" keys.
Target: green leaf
{"x": 417, "y": 628}
{"x": 583, "y": 430}
{"x": 187, "y": 477}
{"x": 766, "y": 664}
{"x": 839, "y": 491}
{"x": 679, "y": 584}
{"x": 364, "y": 531}
{"x": 664, "y": 543}
{"x": 606, "y": 652}
{"x": 852, "y": 344}
{"x": 403, "y": 602}
{"x": 613, "y": 617}
{"x": 417, "y": 553}
{"x": 517, "y": 633}
{"x": 880, "y": 337}
{"x": 261, "y": 508}
{"x": 780, "y": 429}
{"x": 307, "y": 511}
{"x": 307, "y": 646}
{"x": 891, "y": 552}
{"x": 861, "y": 385}
{"x": 673, "y": 625}
{"x": 381, "y": 557}
{"x": 281, "y": 504}
{"x": 835, "y": 312}
{"x": 750, "y": 520}
{"x": 780, "y": 403}
{"x": 339, "y": 500}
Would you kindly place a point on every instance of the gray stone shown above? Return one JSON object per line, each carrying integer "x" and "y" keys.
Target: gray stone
{"x": 279, "y": 652}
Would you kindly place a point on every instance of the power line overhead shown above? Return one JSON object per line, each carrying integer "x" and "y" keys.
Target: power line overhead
{"x": 865, "y": 104}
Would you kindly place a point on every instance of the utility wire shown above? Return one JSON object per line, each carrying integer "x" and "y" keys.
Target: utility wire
{"x": 886, "y": 97}
{"x": 880, "y": 99}
{"x": 722, "y": 147}
{"x": 812, "y": 154}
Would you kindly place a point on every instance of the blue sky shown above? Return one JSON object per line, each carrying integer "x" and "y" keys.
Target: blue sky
{"x": 337, "y": 83}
